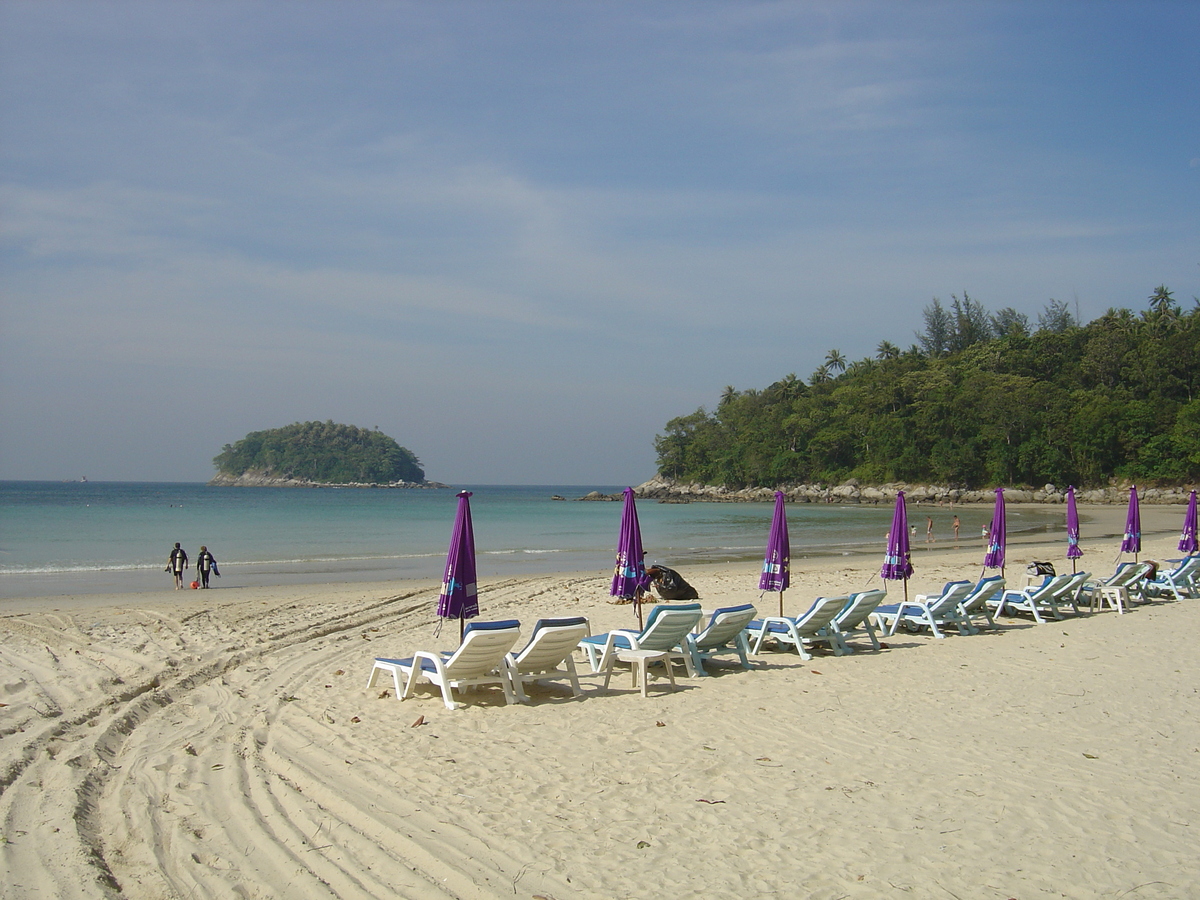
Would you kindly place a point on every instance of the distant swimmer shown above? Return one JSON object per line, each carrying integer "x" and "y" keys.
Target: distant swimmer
{"x": 206, "y": 563}
{"x": 177, "y": 564}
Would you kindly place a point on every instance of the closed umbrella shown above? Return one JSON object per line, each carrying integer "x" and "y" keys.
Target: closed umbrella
{"x": 897, "y": 564}
{"x": 1187, "y": 539}
{"x": 776, "y": 571}
{"x": 1132, "y": 540}
{"x": 1073, "y": 551}
{"x": 460, "y": 596}
{"x": 629, "y": 574}
{"x": 994, "y": 558}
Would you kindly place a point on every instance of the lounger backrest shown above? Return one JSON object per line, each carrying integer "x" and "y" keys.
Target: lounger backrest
{"x": 667, "y": 607}
{"x": 553, "y": 641}
{"x": 667, "y": 625}
{"x": 1072, "y": 585}
{"x": 483, "y": 647}
{"x": 956, "y": 592}
{"x": 821, "y": 613}
{"x": 985, "y": 590}
{"x": 724, "y": 625}
{"x": 1187, "y": 567}
{"x": 860, "y": 606}
{"x": 1187, "y": 570}
{"x": 1050, "y": 587}
{"x": 1127, "y": 573}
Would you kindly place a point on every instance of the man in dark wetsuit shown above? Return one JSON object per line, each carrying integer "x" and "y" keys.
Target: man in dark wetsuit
{"x": 205, "y": 563}
{"x": 670, "y": 585}
{"x": 177, "y": 565}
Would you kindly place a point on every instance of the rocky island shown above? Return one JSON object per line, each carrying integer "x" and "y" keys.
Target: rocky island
{"x": 319, "y": 454}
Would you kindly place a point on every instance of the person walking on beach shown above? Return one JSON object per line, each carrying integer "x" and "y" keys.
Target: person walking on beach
{"x": 929, "y": 538}
{"x": 956, "y": 525}
{"x": 177, "y": 565}
{"x": 205, "y": 563}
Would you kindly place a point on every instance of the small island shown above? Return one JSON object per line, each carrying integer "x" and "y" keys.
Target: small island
{"x": 318, "y": 454}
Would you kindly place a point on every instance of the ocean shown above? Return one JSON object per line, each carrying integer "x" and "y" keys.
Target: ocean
{"x": 99, "y": 537}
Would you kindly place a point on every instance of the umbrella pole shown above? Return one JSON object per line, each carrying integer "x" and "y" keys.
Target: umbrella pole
{"x": 781, "y": 604}
{"x": 462, "y": 628}
{"x": 637, "y": 605}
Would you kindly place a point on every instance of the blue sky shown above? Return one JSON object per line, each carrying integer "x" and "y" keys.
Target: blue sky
{"x": 519, "y": 237}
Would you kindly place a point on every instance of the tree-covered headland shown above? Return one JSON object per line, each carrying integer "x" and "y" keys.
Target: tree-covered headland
{"x": 981, "y": 399}
{"x": 320, "y": 452}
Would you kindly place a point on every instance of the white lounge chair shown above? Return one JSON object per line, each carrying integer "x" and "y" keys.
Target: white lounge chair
{"x": 813, "y": 627}
{"x": 855, "y": 616}
{"x": 478, "y": 660}
{"x": 927, "y": 611}
{"x": 1180, "y": 582}
{"x": 1039, "y": 600}
{"x": 551, "y": 645}
{"x": 1072, "y": 591}
{"x": 1119, "y": 589}
{"x": 666, "y": 627}
{"x": 726, "y": 626}
{"x": 976, "y": 602}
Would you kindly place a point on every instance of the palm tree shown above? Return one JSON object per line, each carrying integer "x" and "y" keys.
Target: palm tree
{"x": 887, "y": 350}
{"x": 821, "y": 375}
{"x": 1162, "y": 306}
{"x": 835, "y": 361}
{"x": 788, "y": 387}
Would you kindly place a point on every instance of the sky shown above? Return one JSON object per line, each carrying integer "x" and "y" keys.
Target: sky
{"x": 519, "y": 237}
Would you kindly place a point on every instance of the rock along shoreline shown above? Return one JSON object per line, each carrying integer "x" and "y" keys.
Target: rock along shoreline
{"x": 666, "y": 490}
{"x": 258, "y": 479}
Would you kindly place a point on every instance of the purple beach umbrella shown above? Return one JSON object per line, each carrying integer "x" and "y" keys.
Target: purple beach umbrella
{"x": 1132, "y": 540}
{"x": 1187, "y": 539}
{"x": 998, "y": 540}
{"x": 897, "y": 564}
{"x": 629, "y": 574}
{"x": 776, "y": 570}
{"x": 460, "y": 597}
{"x": 1073, "y": 551}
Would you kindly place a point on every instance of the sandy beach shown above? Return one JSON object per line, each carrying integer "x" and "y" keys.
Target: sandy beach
{"x": 222, "y": 744}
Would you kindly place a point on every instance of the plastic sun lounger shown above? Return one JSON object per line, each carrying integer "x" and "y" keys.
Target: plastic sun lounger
{"x": 1179, "y": 582}
{"x": 855, "y": 616}
{"x": 666, "y": 627}
{"x": 1072, "y": 591}
{"x": 1038, "y": 600}
{"x": 814, "y": 626}
{"x": 928, "y": 612}
{"x": 1120, "y": 588}
{"x": 478, "y": 660}
{"x": 726, "y": 625}
{"x": 976, "y": 603}
{"x": 551, "y": 646}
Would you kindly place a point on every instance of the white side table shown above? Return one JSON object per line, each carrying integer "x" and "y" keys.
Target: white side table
{"x": 1116, "y": 597}
{"x": 639, "y": 661}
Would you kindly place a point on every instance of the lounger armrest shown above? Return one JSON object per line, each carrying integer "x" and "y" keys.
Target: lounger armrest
{"x": 439, "y": 663}
{"x": 768, "y": 621}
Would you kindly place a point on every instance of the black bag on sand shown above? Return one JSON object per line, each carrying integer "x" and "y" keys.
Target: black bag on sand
{"x": 670, "y": 585}
{"x": 1040, "y": 568}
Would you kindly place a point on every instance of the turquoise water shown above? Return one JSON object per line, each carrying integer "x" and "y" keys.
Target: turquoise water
{"x": 66, "y": 538}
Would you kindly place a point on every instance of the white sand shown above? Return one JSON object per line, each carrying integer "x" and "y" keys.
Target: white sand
{"x": 222, "y": 744}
